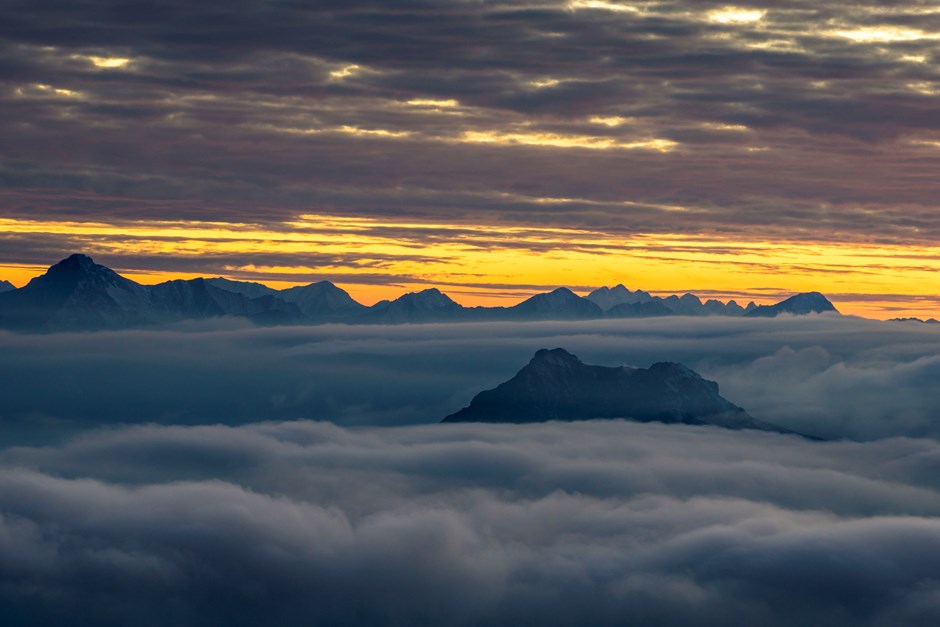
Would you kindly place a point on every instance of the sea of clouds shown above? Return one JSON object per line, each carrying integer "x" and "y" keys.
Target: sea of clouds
{"x": 597, "y": 523}
{"x": 228, "y": 475}
{"x": 827, "y": 376}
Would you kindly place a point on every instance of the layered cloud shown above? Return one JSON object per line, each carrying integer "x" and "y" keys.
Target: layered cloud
{"x": 784, "y": 122}
{"x": 826, "y": 376}
{"x": 594, "y": 524}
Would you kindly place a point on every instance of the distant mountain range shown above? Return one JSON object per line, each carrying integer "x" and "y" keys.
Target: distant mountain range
{"x": 556, "y": 385}
{"x": 918, "y": 320}
{"x": 78, "y": 294}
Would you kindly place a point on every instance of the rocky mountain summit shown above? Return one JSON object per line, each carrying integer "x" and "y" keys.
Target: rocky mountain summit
{"x": 556, "y": 385}
{"x": 798, "y": 305}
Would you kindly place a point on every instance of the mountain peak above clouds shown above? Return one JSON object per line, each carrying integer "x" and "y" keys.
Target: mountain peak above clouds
{"x": 799, "y": 305}
{"x": 556, "y": 385}
{"x": 75, "y": 294}
{"x": 430, "y": 305}
{"x": 559, "y": 304}
{"x": 322, "y": 301}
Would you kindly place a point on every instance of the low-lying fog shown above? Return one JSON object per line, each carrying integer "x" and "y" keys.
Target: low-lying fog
{"x": 827, "y": 376}
{"x": 220, "y": 512}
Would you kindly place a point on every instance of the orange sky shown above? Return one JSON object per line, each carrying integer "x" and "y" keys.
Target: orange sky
{"x": 491, "y": 149}
{"x": 483, "y": 265}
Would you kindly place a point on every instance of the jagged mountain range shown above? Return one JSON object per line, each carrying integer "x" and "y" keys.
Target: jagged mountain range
{"x": 917, "y": 320}
{"x": 556, "y": 385}
{"x": 78, "y": 294}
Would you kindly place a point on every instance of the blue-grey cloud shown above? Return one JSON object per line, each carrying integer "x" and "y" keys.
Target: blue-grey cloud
{"x": 831, "y": 377}
{"x": 591, "y": 523}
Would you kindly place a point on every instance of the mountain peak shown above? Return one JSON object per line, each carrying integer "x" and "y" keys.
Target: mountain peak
{"x": 76, "y": 294}
{"x": 556, "y": 385}
{"x": 554, "y": 357}
{"x": 76, "y": 261}
{"x": 798, "y": 304}
{"x": 561, "y": 303}
{"x": 81, "y": 268}
{"x": 431, "y": 297}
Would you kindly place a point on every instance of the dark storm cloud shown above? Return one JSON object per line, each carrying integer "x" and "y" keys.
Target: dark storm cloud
{"x": 589, "y": 524}
{"x": 831, "y": 377}
{"x": 259, "y": 111}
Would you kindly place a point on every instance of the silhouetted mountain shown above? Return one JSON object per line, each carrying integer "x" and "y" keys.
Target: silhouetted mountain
{"x": 430, "y": 305}
{"x": 649, "y": 309}
{"x": 918, "y": 320}
{"x": 322, "y": 301}
{"x": 799, "y": 305}
{"x": 556, "y": 385}
{"x": 75, "y": 294}
{"x": 713, "y": 307}
{"x": 619, "y": 302}
{"x": 560, "y": 304}
{"x": 245, "y": 288}
{"x": 609, "y": 297}
{"x": 685, "y": 305}
{"x": 199, "y": 299}
{"x": 78, "y": 294}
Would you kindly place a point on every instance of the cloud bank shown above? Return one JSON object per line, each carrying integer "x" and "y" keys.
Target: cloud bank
{"x": 597, "y": 523}
{"x": 830, "y": 377}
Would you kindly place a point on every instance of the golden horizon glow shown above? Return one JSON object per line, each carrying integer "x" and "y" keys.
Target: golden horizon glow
{"x": 480, "y": 264}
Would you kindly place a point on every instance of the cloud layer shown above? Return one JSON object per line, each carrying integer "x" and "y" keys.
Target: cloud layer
{"x": 828, "y": 376}
{"x": 595, "y": 523}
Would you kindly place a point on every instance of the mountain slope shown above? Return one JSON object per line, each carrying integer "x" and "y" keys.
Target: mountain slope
{"x": 245, "y": 288}
{"x": 609, "y": 297}
{"x": 198, "y": 299}
{"x": 6, "y": 286}
{"x": 556, "y": 385}
{"x": 619, "y": 302}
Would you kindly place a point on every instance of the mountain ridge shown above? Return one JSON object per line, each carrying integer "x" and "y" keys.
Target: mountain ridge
{"x": 557, "y": 385}
{"x": 77, "y": 294}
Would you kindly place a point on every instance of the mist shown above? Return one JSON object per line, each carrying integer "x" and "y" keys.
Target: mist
{"x": 593, "y": 523}
{"x": 826, "y": 376}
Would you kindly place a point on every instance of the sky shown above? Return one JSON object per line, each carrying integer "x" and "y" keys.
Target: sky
{"x": 492, "y": 149}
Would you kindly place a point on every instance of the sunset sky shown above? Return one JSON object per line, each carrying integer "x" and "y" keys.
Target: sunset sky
{"x": 492, "y": 149}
